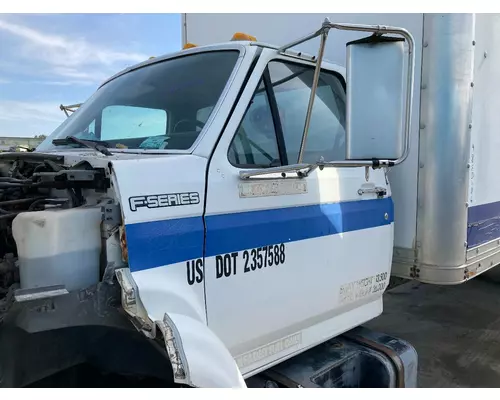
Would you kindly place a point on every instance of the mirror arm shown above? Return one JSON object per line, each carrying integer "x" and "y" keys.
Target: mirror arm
{"x": 378, "y": 30}
{"x": 297, "y": 168}
{"x": 317, "y": 70}
{"x": 304, "y": 170}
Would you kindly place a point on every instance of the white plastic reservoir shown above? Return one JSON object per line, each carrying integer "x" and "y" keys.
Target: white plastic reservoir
{"x": 58, "y": 247}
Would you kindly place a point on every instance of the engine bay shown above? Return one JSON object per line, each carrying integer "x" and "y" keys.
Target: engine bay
{"x": 32, "y": 182}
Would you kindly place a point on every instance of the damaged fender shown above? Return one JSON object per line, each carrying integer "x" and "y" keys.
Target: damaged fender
{"x": 199, "y": 358}
{"x": 197, "y": 355}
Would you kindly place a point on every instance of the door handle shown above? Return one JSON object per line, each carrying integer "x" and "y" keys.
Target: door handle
{"x": 379, "y": 191}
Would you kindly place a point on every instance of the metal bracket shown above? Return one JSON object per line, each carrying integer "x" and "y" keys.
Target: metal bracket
{"x": 111, "y": 214}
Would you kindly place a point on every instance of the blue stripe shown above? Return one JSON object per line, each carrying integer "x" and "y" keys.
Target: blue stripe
{"x": 483, "y": 224}
{"x": 152, "y": 244}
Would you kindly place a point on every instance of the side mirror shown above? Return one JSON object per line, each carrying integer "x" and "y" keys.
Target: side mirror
{"x": 375, "y": 98}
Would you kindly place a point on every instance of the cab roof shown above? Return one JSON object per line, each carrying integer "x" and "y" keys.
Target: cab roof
{"x": 236, "y": 45}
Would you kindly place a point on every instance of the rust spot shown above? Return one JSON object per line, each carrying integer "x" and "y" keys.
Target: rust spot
{"x": 123, "y": 244}
{"x": 470, "y": 274}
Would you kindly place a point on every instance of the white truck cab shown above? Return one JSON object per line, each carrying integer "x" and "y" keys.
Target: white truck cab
{"x": 246, "y": 209}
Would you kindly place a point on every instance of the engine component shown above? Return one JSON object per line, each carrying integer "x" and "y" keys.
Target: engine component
{"x": 37, "y": 182}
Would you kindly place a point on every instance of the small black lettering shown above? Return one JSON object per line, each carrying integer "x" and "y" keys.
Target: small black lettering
{"x": 190, "y": 272}
{"x": 378, "y": 287}
{"x": 270, "y": 255}
{"x": 259, "y": 258}
{"x": 282, "y": 253}
{"x": 381, "y": 277}
{"x": 253, "y": 259}
{"x": 246, "y": 257}
{"x": 234, "y": 255}
{"x": 219, "y": 266}
{"x": 227, "y": 265}
{"x": 194, "y": 271}
{"x": 199, "y": 270}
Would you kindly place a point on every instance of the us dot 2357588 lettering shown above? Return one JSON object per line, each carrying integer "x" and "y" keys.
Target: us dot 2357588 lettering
{"x": 251, "y": 260}
{"x": 243, "y": 262}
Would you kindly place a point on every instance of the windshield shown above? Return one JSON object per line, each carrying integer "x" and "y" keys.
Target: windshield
{"x": 162, "y": 106}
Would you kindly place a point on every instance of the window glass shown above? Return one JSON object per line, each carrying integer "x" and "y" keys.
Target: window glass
{"x": 326, "y": 137}
{"x": 255, "y": 141}
{"x": 153, "y": 107}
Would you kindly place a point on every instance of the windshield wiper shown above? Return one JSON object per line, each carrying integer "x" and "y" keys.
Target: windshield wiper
{"x": 91, "y": 144}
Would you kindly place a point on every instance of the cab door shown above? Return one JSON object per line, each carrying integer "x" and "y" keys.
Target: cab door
{"x": 290, "y": 262}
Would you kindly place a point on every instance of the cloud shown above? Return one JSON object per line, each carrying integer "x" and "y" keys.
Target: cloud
{"x": 61, "y": 83}
{"x": 4, "y": 81}
{"x": 11, "y": 110}
{"x": 20, "y": 118}
{"x": 70, "y": 58}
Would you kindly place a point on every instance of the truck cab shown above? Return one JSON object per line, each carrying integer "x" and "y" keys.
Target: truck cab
{"x": 232, "y": 241}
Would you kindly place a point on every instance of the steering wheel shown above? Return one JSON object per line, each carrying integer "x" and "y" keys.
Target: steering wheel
{"x": 191, "y": 122}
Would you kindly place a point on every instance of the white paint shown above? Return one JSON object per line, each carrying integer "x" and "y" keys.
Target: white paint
{"x": 251, "y": 310}
{"x": 484, "y": 185}
{"x": 321, "y": 332}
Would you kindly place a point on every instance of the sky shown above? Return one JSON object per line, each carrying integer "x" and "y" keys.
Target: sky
{"x": 47, "y": 60}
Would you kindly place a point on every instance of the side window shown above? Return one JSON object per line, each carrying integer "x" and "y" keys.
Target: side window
{"x": 127, "y": 122}
{"x": 255, "y": 143}
{"x": 292, "y": 87}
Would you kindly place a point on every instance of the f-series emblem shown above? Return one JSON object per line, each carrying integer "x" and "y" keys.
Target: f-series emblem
{"x": 164, "y": 200}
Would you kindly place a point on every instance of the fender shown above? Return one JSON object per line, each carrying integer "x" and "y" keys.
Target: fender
{"x": 197, "y": 355}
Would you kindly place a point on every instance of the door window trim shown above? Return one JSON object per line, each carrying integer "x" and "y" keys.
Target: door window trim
{"x": 265, "y": 78}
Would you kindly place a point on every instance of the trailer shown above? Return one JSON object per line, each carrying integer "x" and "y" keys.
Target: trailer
{"x": 231, "y": 215}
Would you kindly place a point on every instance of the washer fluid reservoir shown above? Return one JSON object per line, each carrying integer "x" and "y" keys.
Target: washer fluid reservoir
{"x": 58, "y": 247}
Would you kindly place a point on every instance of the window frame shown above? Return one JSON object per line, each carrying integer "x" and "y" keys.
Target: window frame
{"x": 273, "y": 105}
